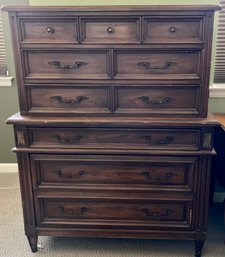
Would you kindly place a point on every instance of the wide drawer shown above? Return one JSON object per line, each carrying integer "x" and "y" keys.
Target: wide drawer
{"x": 74, "y": 100}
{"x": 95, "y": 30}
{"x": 114, "y": 138}
{"x": 114, "y": 171}
{"x": 76, "y": 64}
{"x": 157, "y": 100}
{"x": 103, "y": 213}
{"x": 122, "y": 100}
{"x": 163, "y": 64}
{"x": 172, "y": 30}
{"x": 49, "y": 30}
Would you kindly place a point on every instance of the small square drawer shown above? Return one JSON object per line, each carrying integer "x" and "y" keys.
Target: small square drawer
{"x": 66, "y": 64}
{"x": 117, "y": 213}
{"x": 103, "y": 171}
{"x": 158, "y": 100}
{"x": 49, "y": 30}
{"x": 102, "y": 138}
{"x": 103, "y": 30}
{"x": 157, "y": 64}
{"x": 170, "y": 30}
{"x": 69, "y": 100}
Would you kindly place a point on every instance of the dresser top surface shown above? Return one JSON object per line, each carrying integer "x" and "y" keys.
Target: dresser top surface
{"x": 113, "y": 8}
{"x": 113, "y": 121}
{"x": 221, "y": 118}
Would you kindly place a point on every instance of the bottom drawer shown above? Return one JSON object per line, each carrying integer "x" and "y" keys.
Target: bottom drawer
{"x": 115, "y": 213}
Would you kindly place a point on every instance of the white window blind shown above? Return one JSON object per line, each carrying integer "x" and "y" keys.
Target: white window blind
{"x": 3, "y": 69}
{"x": 219, "y": 72}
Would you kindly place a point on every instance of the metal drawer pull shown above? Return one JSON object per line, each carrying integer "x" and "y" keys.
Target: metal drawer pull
{"x": 68, "y": 140}
{"x": 61, "y": 100}
{"x": 157, "y": 214}
{"x": 166, "y": 176}
{"x": 110, "y": 30}
{"x": 68, "y": 211}
{"x": 147, "y": 100}
{"x": 164, "y": 141}
{"x": 78, "y": 174}
{"x": 172, "y": 29}
{"x": 50, "y": 30}
{"x": 149, "y": 66}
{"x": 76, "y": 65}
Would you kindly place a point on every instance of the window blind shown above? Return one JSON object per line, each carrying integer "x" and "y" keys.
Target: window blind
{"x": 3, "y": 69}
{"x": 219, "y": 72}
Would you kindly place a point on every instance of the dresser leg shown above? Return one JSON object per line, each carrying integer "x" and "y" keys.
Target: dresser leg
{"x": 33, "y": 243}
{"x": 198, "y": 247}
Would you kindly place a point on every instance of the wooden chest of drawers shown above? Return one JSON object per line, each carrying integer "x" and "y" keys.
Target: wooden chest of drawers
{"x": 113, "y": 138}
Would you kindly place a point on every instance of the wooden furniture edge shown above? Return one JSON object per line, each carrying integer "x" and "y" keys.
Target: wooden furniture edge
{"x": 114, "y": 8}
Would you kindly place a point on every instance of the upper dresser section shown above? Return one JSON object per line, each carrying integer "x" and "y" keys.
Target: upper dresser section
{"x": 115, "y": 60}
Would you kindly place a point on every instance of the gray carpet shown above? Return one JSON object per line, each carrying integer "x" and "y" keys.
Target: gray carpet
{"x": 13, "y": 242}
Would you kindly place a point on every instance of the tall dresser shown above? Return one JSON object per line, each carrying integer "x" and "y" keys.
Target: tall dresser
{"x": 113, "y": 138}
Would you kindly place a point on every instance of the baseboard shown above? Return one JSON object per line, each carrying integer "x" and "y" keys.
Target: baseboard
{"x": 219, "y": 197}
{"x": 8, "y": 167}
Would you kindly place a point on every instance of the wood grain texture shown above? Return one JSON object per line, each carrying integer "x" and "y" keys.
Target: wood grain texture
{"x": 113, "y": 137}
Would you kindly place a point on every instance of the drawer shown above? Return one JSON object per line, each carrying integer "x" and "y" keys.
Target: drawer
{"x": 76, "y": 64}
{"x": 157, "y": 100}
{"x": 98, "y": 138}
{"x": 111, "y": 30}
{"x": 71, "y": 99}
{"x": 103, "y": 213}
{"x": 126, "y": 100}
{"x": 49, "y": 30}
{"x": 172, "y": 30}
{"x": 106, "y": 171}
{"x": 164, "y": 64}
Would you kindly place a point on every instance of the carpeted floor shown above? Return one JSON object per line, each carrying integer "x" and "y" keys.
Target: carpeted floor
{"x": 13, "y": 242}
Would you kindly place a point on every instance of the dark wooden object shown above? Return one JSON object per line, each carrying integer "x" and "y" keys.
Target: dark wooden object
{"x": 219, "y": 159}
{"x": 113, "y": 138}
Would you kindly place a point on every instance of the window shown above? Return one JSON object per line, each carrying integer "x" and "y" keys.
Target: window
{"x": 219, "y": 72}
{"x": 218, "y": 87}
{"x": 5, "y": 80}
{"x": 3, "y": 68}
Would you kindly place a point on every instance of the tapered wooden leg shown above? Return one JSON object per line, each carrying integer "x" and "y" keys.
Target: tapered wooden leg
{"x": 33, "y": 243}
{"x": 198, "y": 247}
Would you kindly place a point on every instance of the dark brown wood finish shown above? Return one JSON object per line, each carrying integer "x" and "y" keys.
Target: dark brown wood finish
{"x": 49, "y": 30}
{"x": 85, "y": 50}
{"x": 114, "y": 116}
{"x": 143, "y": 173}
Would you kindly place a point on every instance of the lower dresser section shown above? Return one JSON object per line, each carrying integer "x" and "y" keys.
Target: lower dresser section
{"x": 114, "y": 178}
{"x": 116, "y": 192}
{"x": 126, "y": 196}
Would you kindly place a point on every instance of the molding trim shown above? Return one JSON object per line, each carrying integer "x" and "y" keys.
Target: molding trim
{"x": 219, "y": 197}
{"x": 6, "y": 81}
{"x": 8, "y": 167}
{"x": 217, "y": 90}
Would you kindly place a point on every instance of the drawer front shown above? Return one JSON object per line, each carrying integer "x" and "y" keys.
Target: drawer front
{"x": 110, "y": 30}
{"x": 66, "y": 64}
{"x": 143, "y": 214}
{"x": 157, "y": 100}
{"x": 46, "y": 30}
{"x": 172, "y": 30}
{"x": 68, "y": 170}
{"x": 64, "y": 100}
{"x": 114, "y": 138}
{"x": 156, "y": 65}
{"x": 129, "y": 100}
